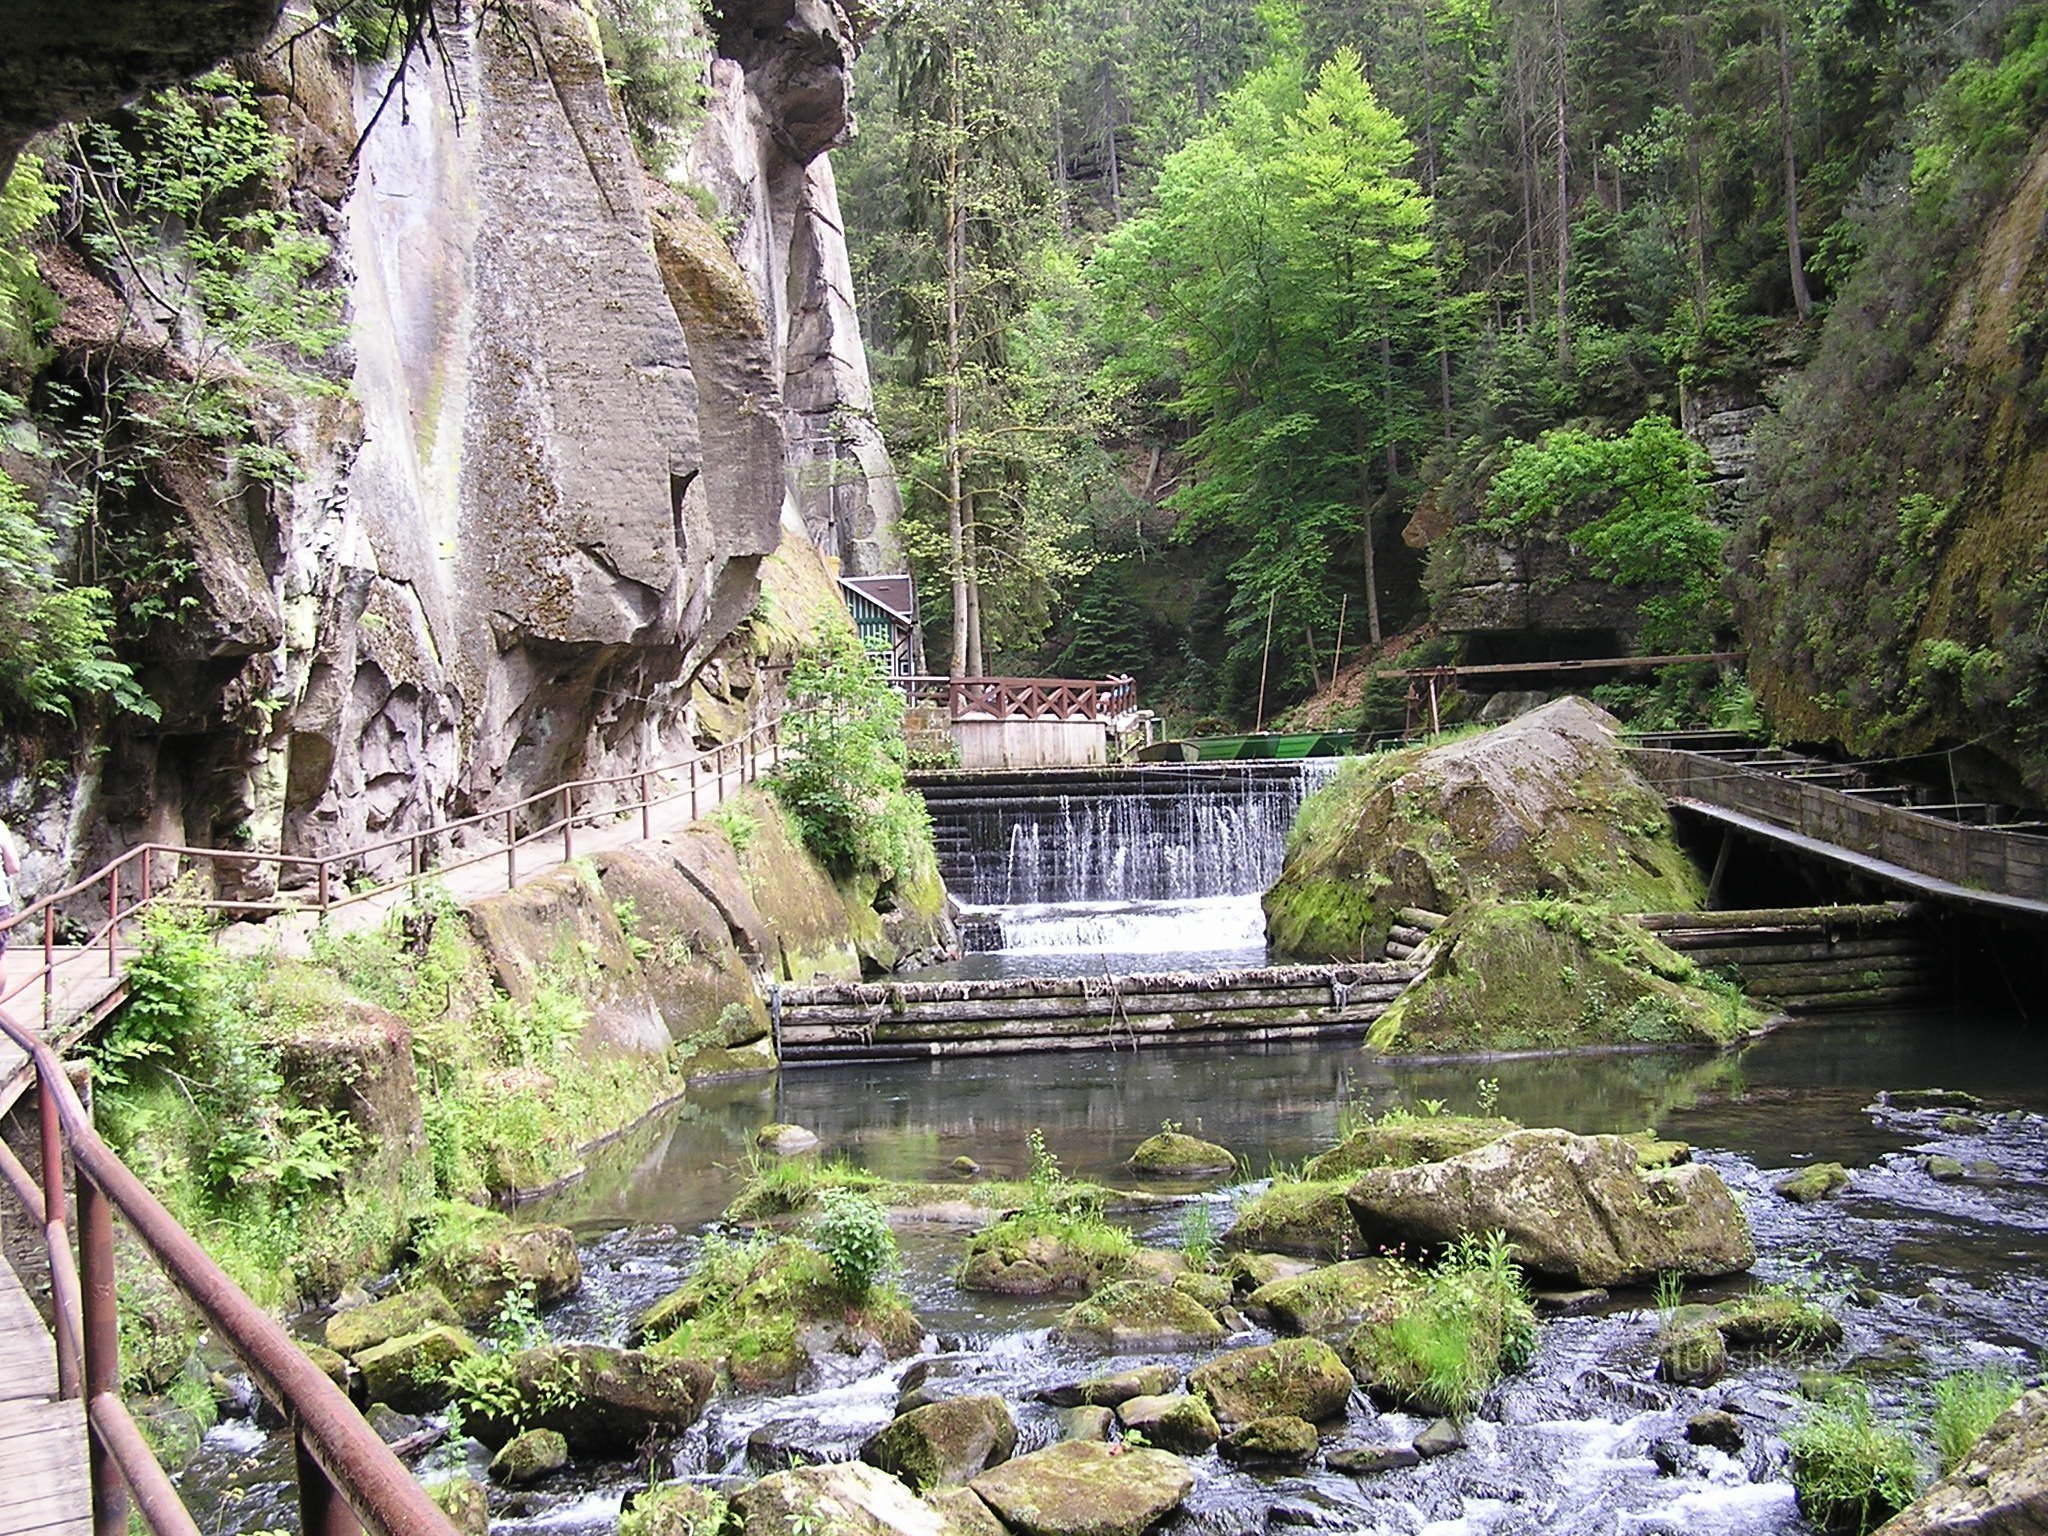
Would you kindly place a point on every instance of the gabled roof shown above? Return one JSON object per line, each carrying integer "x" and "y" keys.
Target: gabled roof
{"x": 891, "y": 593}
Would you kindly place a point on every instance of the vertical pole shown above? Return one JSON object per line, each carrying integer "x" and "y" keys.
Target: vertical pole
{"x": 54, "y": 1234}
{"x": 102, "y": 1349}
{"x": 322, "y": 1510}
{"x": 511, "y": 853}
{"x": 1266, "y": 656}
{"x": 775, "y": 744}
{"x": 148, "y": 885}
{"x": 646, "y": 812}
{"x": 1337, "y": 655}
{"x": 49, "y": 961}
{"x": 323, "y": 885}
{"x": 693, "y": 789}
{"x": 1435, "y": 725}
{"x": 113, "y": 918}
{"x": 568, "y": 821}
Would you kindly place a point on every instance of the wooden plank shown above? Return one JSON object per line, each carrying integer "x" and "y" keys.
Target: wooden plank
{"x": 1096, "y": 1027}
{"x": 1863, "y": 915}
{"x": 42, "y": 1442}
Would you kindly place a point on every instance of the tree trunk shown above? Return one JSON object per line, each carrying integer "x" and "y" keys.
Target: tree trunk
{"x": 1366, "y": 499}
{"x": 956, "y": 253}
{"x": 977, "y": 664}
{"x": 1526, "y": 154}
{"x": 1695, "y": 176}
{"x": 1795, "y": 256}
{"x": 1564, "y": 223}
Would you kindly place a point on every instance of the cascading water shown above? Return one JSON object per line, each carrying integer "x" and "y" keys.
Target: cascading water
{"x": 1160, "y": 866}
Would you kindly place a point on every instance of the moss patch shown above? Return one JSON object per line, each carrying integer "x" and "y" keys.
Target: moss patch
{"x": 1037, "y": 1254}
{"x": 1305, "y": 1218}
{"x": 1401, "y": 1141}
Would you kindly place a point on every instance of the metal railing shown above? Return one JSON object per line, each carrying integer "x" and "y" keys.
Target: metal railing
{"x": 1023, "y": 698}
{"x": 349, "y": 1480}
{"x": 125, "y": 887}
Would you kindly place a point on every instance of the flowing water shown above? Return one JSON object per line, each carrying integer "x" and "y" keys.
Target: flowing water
{"x": 1148, "y": 869}
{"x": 1948, "y": 1272}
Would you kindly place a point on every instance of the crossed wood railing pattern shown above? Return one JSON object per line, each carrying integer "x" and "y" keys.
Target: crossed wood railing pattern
{"x": 1024, "y": 698}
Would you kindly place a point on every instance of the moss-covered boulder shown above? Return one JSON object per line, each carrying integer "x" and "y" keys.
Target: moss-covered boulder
{"x": 410, "y": 1373}
{"x": 785, "y": 1140}
{"x": 847, "y": 1498}
{"x": 1281, "y": 1440}
{"x": 480, "y": 1258}
{"x": 674, "y": 1509}
{"x": 1690, "y": 1349}
{"x": 951, "y": 1441}
{"x": 1309, "y": 1220}
{"x": 2001, "y": 1487}
{"x": 360, "y": 1328}
{"x": 1139, "y": 1315}
{"x": 1085, "y": 1423}
{"x": 604, "y": 1401}
{"x": 1247, "y": 1272}
{"x": 767, "y": 1316}
{"x": 1177, "y": 1421}
{"x": 1547, "y": 974}
{"x": 1175, "y": 1154}
{"x": 1546, "y": 804}
{"x": 1080, "y": 1488}
{"x": 463, "y": 1500}
{"x": 1046, "y": 1254}
{"x": 1816, "y": 1181}
{"x": 529, "y": 1457}
{"x": 1297, "y": 1378}
{"x": 1401, "y": 1141}
{"x": 1111, "y": 1390}
{"x": 1777, "y": 1322}
{"x": 1330, "y": 1302}
{"x": 1577, "y": 1208}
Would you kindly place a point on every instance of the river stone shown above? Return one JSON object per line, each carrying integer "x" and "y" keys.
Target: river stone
{"x": 966, "y": 1167}
{"x": 1815, "y": 1182}
{"x": 1332, "y": 1301}
{"x": 1569, "y": 1303}
{"x": 1306, "y": 1220}
{"x": 1364, "y": 1460}
{"x": 1402, "y": 1143}
{"x": 1943, "y": 1168}
{"x": 410, "y": 1373}
{"x": 2001, "y": 1488}
{"x": 1085, "y": 1423}
{"x": 1110, "y": 1391}
{"x": 1298, "y": 1377}
{"x": 937, "y": 1377}
{"x": 478, "y": 1272}
{"x": 1691, "y": 1352}
{"x": 1165, "y": 1265}
{"x": 604, "y": 1400}
{"x": 333, "y": 1365}
{"x": 530, "y": 1457}
{"x": 1574, "y": 1207}
{"x": 1247, "y": 1272}
{"x": 1082, "y": 1489}
{"x": 1282, "y": 1438}
{"x": 463, "y": 1500}
{"x": 1440, "y": 1439}
{"x": 944, "y": 1442}
{"x": 785, "y": 1140}
{"x": 964, "y": 1512}
{"x": 361, "y": 1328}
{"x": 847, "y": 1498}
{"x": 1210, "y": 1291}
{"x": 1042, "y": 1264}
{"x": 1777, "y": 1323}
{"x": 1177, "y": 1422}
{"x": 1930, "y": 1098}
{"x": 1173, "y": 1154}
{"x": 1139, "y": 1315}
{"x": 1716, "y": 1427}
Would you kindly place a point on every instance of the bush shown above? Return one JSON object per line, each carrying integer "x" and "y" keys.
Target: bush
{"x": 1852, "y": 1473}
{"x": 1469, "y": 1321}
{"x": 1964, "y": 1406}
{"x": 852, "y": 1232}
{"x": 843, "y": 775}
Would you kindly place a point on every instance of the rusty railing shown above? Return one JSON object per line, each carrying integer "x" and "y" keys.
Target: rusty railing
{"x": 1023, "y": 698}
{"x": 349, "y": 1480}
{"x": 123, "y": 888}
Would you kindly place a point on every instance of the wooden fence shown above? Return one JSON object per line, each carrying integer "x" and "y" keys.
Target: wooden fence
{"x": 1023, "y": 698}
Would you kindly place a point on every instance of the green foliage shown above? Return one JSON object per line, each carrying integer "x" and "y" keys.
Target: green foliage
{"x": 1469, "y": 1320}
{"x": 1852, "y": 1473}
{"x": 1965, "y": 1405}
{"x": 27, "y": 307}
{"x": 842, "y": 776}
{"x": 1198, "y": 1236}
{"x": 657, "y": 54}
{"x": 852, "y": 1231}
{"x": 739, "y": 825}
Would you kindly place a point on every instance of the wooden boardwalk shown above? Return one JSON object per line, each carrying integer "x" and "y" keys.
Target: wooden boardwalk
{"x": 43, "y": 1487}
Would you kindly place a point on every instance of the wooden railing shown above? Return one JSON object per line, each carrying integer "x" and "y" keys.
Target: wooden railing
{"x": 1980, "y": 858}
{"x": 1023, "y": 698}
{"x": 285, "y": 882}
{"x": 349, "y": 1480}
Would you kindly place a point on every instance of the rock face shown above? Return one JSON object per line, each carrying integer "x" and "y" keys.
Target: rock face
{"x": 1545, "y": 805}
{"x": 1577, "y": 1208}
{"x": 2001, "y": 1489}
{"x": 583, "y": 418}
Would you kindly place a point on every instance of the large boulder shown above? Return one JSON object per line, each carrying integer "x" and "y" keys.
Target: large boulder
{"x": 1405, "y": 1140}
{"x": 1576, "y": 1208}
{"x": 950, "y": 1441}
{"x": 1545, "y": 805}
{"x": 1140, "y": 1315}
{"x": 1551, "y": 974}
{"x": 352, "y": 1331}
{"x": 1082, "y": 1488}
{"x": 1175, "y": 1154}
{"x": 1044, "y": 1256}
{"x": 410, "y": 1373}
{"x": 1307, "y": 1219}
{"x": 1296, "y": 1378}
{"x": 1176, "y": 1421}
{"x": 481, "y": 1262}
{"x": 2001, "y": 1488}
{"x": 847, "y": 1498}
{"x": 1330, "y": 1302}
{"x": 602, "y": 1400}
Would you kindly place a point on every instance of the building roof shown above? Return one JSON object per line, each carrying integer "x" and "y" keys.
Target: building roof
{"x": 892, "y": 593}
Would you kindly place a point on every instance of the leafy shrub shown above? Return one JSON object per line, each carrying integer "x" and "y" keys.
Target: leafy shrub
{"x": 852, "y": 1231}
{"x": 1469, "y": 1320}
{"x": 1964, "y": 1406}
{"x": 1851, "y": 1472}
{"x": 843, "y": 775}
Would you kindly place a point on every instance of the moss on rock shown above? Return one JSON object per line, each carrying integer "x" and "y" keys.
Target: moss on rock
{"x": 950, "y": 1441}
{"x": 1816, "y": 1181}
{"x": 1080, "y": 1488}
{"x": 1176, "y": 1421}
{"x": 1031, "y": 1254}
{"x": 478, "y": 1258}
{"x": 1300, "y": 1378}
{"x": 1330, "y": 1302}
{"x": 1305, "y": 1218}
{"x": 360, "y": 1328}
{"x": 1174, "y": 1154}
{"x": 1544, "y": 804}
{"x": 1139, "y": 1315}
{"x": 1400, "y": 1141}
{"x": 674, "y": 1509}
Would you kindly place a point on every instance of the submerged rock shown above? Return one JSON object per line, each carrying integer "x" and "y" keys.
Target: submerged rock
{"x": 1364, "y": 1460}
{"x": 1440, "y": 1439}
{"x": 1179, "y": 1422}
{"x": 1815, "y": 1182}
{"x": 2001, "y": 1488}
{"x": 1574, "y": 1207}
{"x": 1297, "y": 1378}
{"x": 1177, "y": 1155}
{"x": 1140, "y": 1315}
{"x": 944, "y": 1442}
{"x": 1081, "y": 1489}
{"x": 1545, "y": 805}
{"x": 365, "y": 1327}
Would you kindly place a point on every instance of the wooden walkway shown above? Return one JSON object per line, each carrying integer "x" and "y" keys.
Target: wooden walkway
{"x": 43, "y": 1485}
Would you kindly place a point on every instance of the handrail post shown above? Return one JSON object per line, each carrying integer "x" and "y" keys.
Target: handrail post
{"x": 55, "y": 1235}
{"x": 511, "y": 852}
{"x": 49, "y": 963}
{"x": 646, "y": 813}
{"x": 775, "y": 742}
{"x": 322, "y": 1510}
{"x": 568, "y": 822}
{"x": 693, "y": 787}
{"x": 148, "y": 885}
{"x": 323, "y": 883}
{"x": 113, "y": 918}
{"x": 102, "y": 1328}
